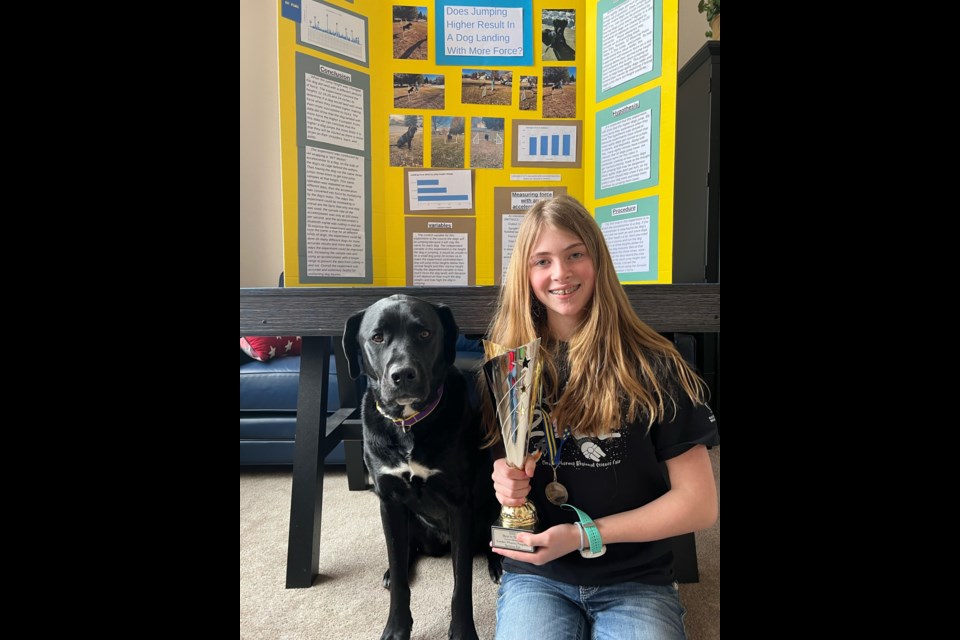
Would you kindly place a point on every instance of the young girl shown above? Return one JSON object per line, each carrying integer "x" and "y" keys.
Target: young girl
{"x": 618, "y": 400}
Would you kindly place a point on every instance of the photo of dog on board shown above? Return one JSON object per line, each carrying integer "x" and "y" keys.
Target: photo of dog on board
{"x": 486, "y": 86}
{"x": 486, "y": 143}
{"x": 406, "y": 141}
{"x": 410, "y": 33}
{"x": 528, "y": 93}
{"x": 558, "y": 34}
{"x": 447, "y": 141}
{"x": 418, "y": 91}
{"x": 559, "y": 92}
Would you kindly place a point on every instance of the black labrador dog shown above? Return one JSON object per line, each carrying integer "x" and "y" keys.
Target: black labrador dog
{"x": 407, "y": 138}
{"x": 421, "y": 445}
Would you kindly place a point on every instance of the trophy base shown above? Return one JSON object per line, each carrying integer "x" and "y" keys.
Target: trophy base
{"x": 506, "y": 538}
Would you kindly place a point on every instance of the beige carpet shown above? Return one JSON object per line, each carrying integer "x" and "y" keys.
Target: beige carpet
{"x": 347, "y": 601}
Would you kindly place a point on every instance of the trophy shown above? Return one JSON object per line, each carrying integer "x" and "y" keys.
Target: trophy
{"x": 513, "y": 377}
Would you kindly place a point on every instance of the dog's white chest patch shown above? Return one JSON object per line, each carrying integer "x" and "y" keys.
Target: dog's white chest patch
{"x": 415, "y": 469}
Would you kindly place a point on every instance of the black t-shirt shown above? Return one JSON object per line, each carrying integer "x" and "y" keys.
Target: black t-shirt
{"x": 627, "y": 475}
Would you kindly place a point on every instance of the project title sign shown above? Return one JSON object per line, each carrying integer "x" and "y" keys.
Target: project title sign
{"x": 487, "y": 34}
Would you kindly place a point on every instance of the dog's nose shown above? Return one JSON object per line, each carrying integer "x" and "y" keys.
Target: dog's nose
{"x": 403, "y": 375}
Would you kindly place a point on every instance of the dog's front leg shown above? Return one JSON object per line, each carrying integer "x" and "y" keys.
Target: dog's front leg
{"x": 396, "y": 530}
{"x": 461, "y": 548}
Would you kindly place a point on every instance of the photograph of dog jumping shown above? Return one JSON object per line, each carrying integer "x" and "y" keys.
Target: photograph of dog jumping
{"x": 558, "y": 34}
{"x": 486, "y": 86}
{"x": 421, "y": 445}
{"x": 447, "y": 142}
{"x": 528, "y": 93}
{"x": 406, "y": 141}
{"x": 410, "y": 33}
{"x": 486, "y": 143}
{"x": 559, "y": 92}
{"x": 418, "y": 91}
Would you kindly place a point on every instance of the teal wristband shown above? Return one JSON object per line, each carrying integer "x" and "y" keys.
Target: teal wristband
{"x": 597, "y": 547}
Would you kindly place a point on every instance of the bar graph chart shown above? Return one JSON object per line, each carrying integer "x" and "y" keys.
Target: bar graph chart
{"x": 547, "y": 143}
{"x": 337, "y": 31}
{"x": 439, "y": 190}
{"x": 431, "y": 191}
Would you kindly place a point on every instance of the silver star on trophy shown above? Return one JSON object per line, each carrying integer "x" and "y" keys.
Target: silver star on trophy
{"x": 513, "y": 377}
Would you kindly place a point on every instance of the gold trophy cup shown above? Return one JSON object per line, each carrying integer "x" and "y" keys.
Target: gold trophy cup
{"x": 513, "y": 377}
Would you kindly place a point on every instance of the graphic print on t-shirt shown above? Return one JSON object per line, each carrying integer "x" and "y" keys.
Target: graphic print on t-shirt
{"x": 588, "y": 452}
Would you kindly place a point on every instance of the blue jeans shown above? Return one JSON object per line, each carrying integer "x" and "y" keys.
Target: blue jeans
{"x": 535, "y": 607}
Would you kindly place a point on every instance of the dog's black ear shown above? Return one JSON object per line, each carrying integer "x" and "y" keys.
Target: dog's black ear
{"x": 351, "y": 348}
{"x": 450, "y": 332}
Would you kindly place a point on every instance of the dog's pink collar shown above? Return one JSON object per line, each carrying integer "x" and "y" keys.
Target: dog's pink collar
{"x": 406, "y": 423}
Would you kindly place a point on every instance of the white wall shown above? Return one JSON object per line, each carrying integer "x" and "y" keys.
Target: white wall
{"x": 261, "y": 241}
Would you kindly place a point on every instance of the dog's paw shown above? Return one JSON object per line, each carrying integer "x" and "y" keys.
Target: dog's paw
{"x": 386, "y": 579}
{"x": 470, "y": 633}
{"x": 494, "y": 566}
{"x": 397, "y": 630}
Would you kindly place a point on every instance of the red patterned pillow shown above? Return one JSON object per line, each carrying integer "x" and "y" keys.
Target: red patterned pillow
{"x": 262, "y": 349}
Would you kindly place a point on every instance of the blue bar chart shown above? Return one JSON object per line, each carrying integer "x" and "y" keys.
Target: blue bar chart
{"x": 439, "y": 190}
{"x": 547, "y": 143}
{"x": 331, "y": 29}
{"x": 426, "y": 189}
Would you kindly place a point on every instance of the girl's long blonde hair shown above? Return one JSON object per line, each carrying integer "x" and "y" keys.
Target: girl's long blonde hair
{"x": 618, "y": 366}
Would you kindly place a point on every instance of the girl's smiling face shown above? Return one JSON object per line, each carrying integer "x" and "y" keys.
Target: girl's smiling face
{"x": 562, "y": 277}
